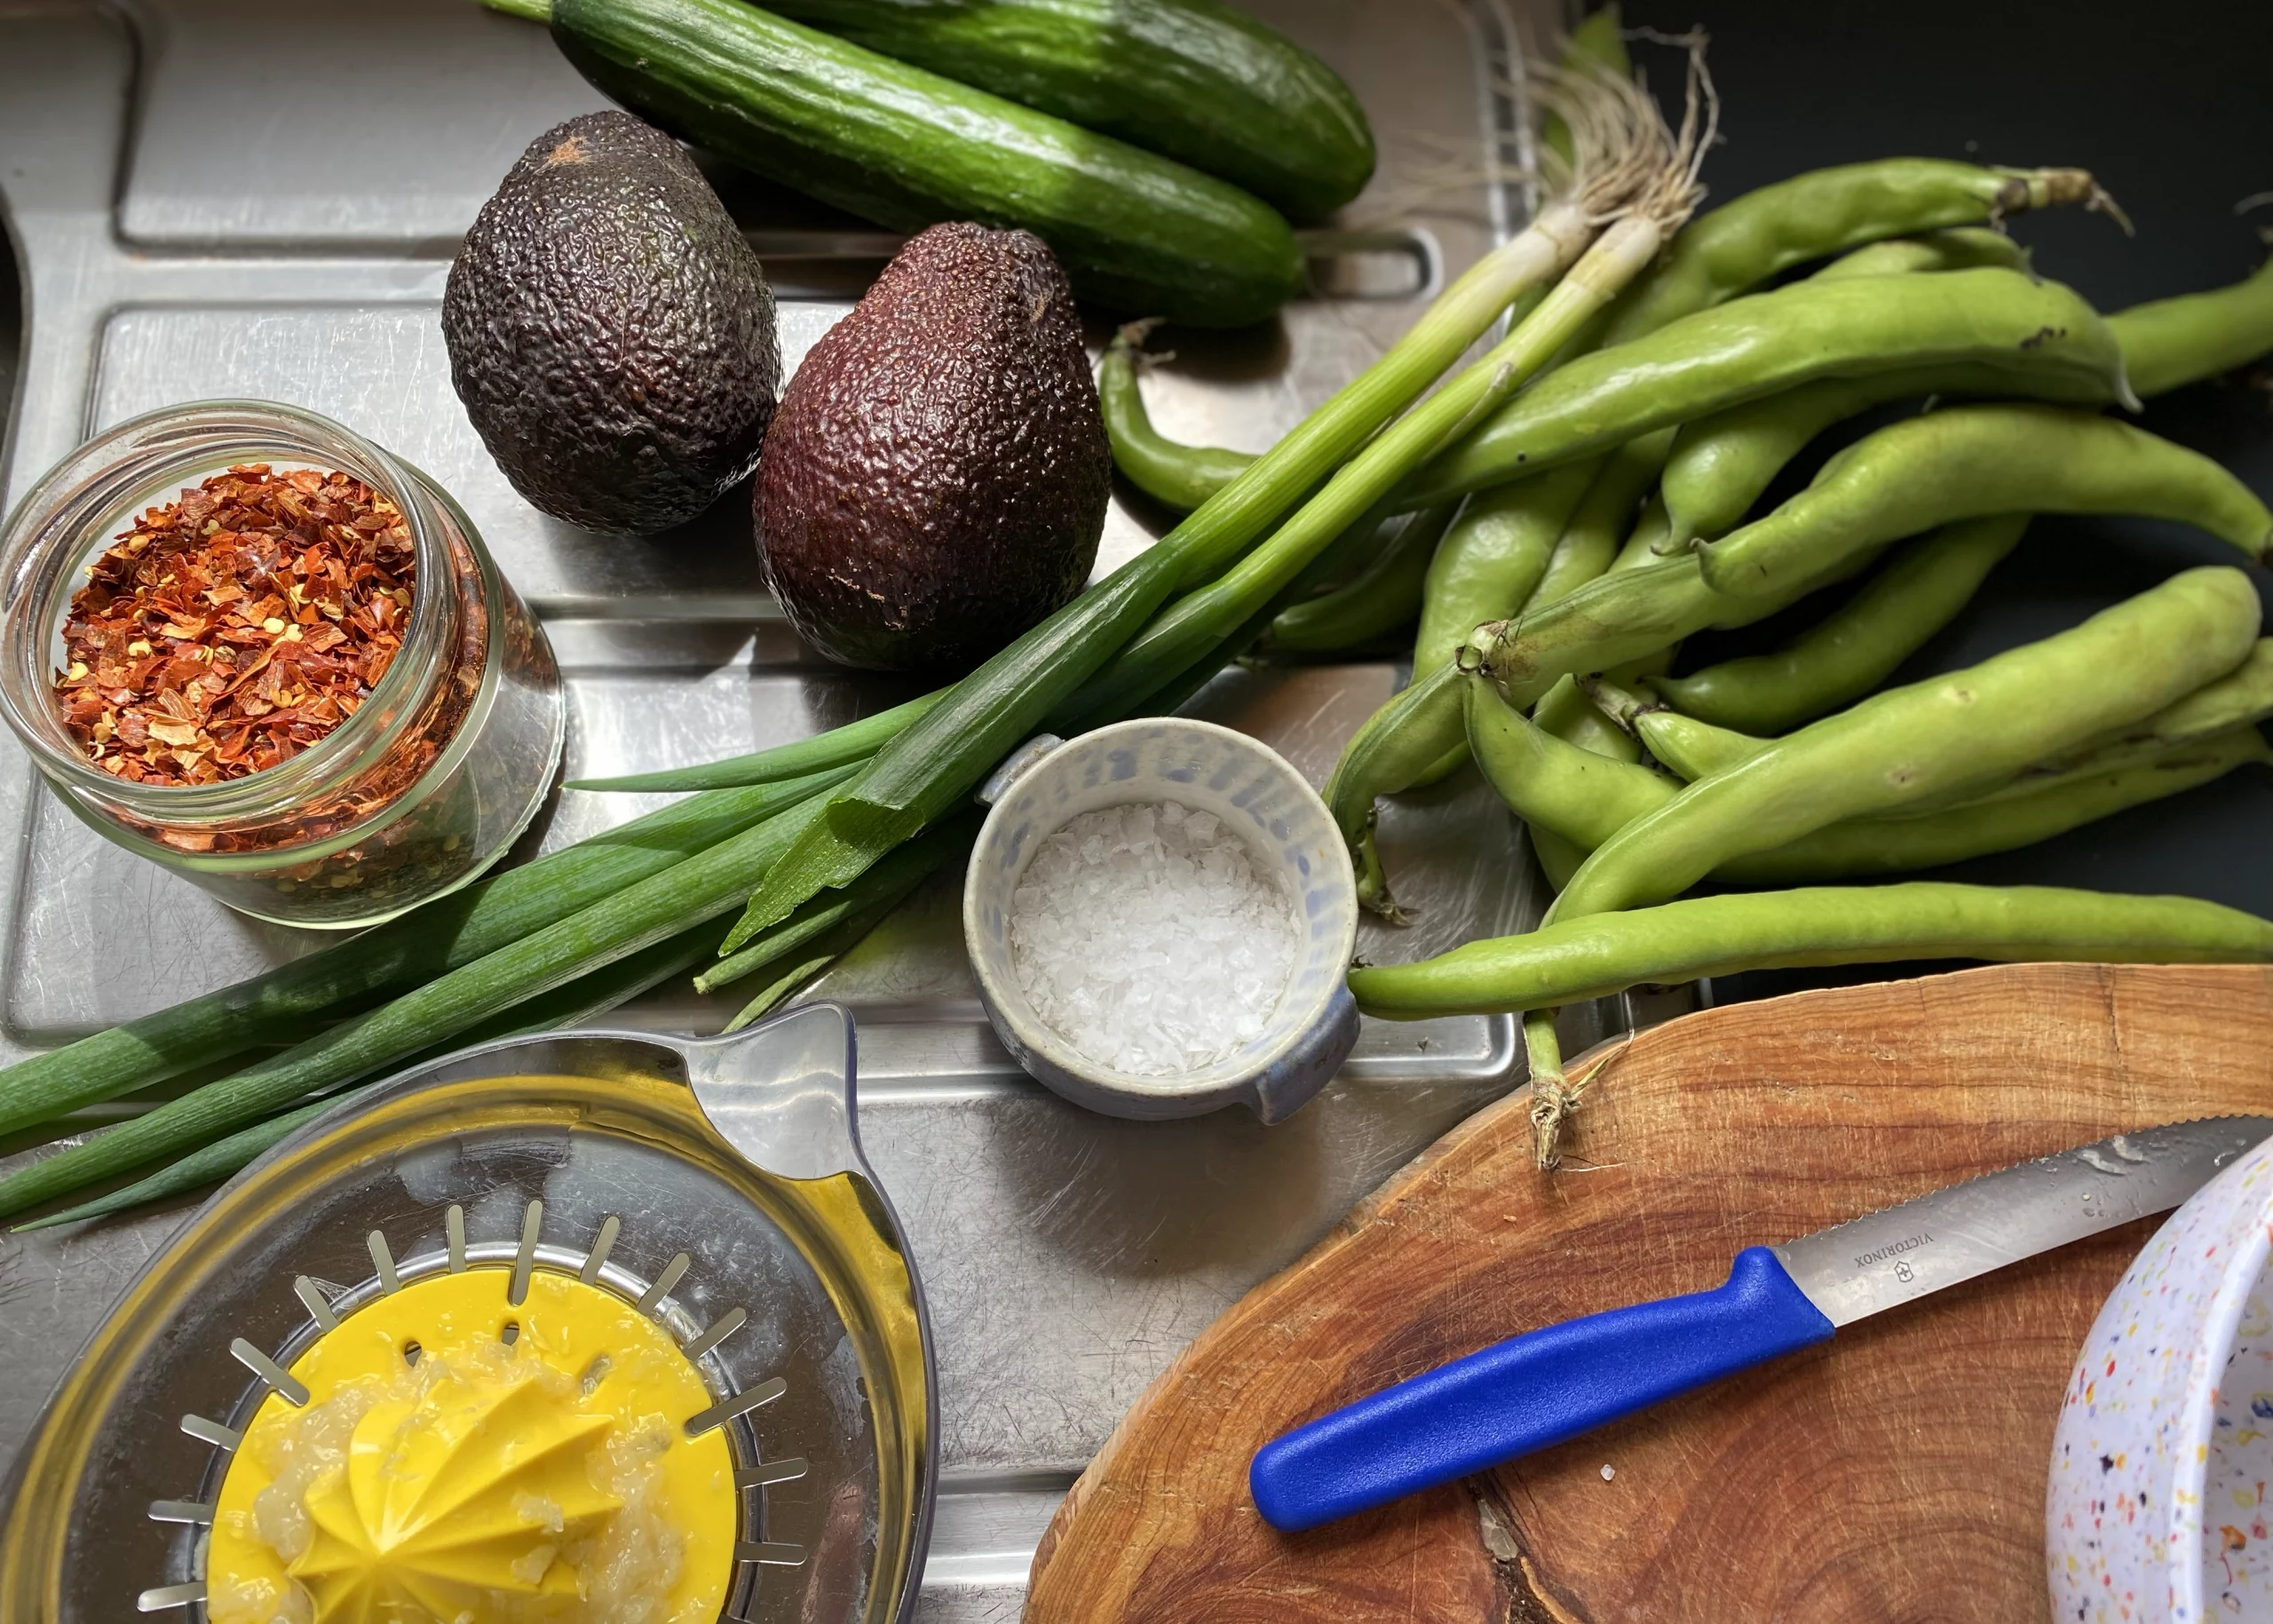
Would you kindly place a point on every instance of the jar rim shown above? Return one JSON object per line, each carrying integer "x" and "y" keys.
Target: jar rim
{"x": 63, "y": 521}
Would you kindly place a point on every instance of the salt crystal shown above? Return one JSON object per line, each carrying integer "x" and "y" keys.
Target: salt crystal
{"x": 1146, "y": 938}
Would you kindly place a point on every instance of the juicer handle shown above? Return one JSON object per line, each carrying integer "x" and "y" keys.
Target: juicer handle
{"x": 782, "y": 1092}
{"x": 1529, "y": 1392}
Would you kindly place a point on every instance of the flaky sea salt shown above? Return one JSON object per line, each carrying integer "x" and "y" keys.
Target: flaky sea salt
{"x": 1148, "y": 937}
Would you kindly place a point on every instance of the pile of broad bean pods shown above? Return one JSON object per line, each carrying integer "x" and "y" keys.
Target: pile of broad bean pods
{"x": 1614, "y": 508}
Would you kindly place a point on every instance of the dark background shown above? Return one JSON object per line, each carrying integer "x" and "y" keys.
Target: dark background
{"x": 2171, "y": 107}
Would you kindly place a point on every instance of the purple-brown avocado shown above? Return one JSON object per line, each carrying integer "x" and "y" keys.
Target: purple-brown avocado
{"x": 936, "y": 479}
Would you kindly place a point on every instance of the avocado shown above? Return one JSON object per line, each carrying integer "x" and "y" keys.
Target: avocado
{"x": 610, "y": 332}
{"x": 937, "y": 478}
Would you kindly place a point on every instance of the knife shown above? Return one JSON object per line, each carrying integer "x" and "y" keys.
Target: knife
{"x": 1552, "y": 1384}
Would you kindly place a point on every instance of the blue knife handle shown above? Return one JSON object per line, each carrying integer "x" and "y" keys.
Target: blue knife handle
{"x": 1530, "y": 1391}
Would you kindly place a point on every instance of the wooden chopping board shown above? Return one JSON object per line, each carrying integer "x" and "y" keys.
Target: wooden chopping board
{"x": 1895, "y": 1474}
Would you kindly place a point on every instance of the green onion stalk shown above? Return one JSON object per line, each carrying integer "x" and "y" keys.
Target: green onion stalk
{"x": 831, "y": 924}
{"x": 581, "y": 1000}
{"x": 283, "y": 1005}
{"x": 675, "y": 899}
{"x": 843, "y": 747}
{"x": 1417, "y": 736}
{"x": 870, "y": 896}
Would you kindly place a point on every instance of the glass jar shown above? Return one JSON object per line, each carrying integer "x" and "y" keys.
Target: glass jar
{"x": 422, "y": 787}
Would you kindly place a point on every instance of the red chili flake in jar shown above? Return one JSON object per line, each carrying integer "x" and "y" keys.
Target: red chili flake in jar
{"x": 229, "y": 630}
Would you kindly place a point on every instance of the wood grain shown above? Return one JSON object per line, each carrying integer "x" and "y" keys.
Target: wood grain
{"x": 1896, "y": 1475}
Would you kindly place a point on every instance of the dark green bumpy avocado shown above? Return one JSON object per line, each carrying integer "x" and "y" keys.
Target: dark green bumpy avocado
{"x": 610, "y": 332}
{"x": 937, "y": 478}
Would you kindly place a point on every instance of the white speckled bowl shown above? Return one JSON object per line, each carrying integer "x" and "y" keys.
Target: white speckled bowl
{"x": 2156, "y": 1512}
{"x": 1255, "y": 790}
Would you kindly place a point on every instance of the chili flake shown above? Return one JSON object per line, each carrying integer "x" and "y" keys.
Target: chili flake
{"x": 229, "y": 630}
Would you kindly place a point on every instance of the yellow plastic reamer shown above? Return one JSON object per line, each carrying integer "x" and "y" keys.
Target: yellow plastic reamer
{"x": 466, "y": 1461}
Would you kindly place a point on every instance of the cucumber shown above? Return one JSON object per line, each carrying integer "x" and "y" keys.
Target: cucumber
{"x": 906, "y": 149}
{"x": 1188, "y": 78}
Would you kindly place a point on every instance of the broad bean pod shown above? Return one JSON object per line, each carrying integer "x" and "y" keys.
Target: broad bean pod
{"x": 1767, "y": 343}
{"x": 1492, "y": 559}
{"x": 1415, "y": 739}
{"x": 1381, "y": 597}
{"x": 2037, "y": 805}
{"x": 1550, "y": 782}
{"x": 2034, "y": 807}
{"x": 1420, "y": 734}
{"x": 2239, "y": 700}
{"x": 1558, "y": 857}
{"x": 1721, "y": 464}
{"x": 2170, "y": 343}
{"x": 1776, "y": 228}
{"x": 1958, "y": 247}
{"x": 1970, "y": 461}
{"x": 1567, "y": 715}
{"x": 1688, "y": 748}
{"x": 1175, "y": 475}
{"x": 1857, "y": 645}
{"x": 1589, "y": 543}
{"x": 2243, "y": 695}
{"x": 2021, "y": 814}
{"x": 1972, "y": 728}
{"x": 1627, "y": 616}
{"x": 1602, "y": 954}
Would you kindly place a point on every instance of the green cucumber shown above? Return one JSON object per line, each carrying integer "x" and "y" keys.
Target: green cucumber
{"x": 1188, "y": 78}
{"x": 906, "y": 149}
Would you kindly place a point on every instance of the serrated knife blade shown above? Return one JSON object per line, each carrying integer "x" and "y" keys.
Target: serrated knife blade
{"x": 1554, "y": 1383}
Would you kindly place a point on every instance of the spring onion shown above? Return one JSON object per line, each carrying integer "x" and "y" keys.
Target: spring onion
{"x": 580, "y": 1001}
{"x": 674, "y": 900}
{"x": 284, "y": 1004}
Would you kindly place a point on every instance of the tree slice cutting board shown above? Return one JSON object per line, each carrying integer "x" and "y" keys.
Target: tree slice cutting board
{"x": 1894, "y": 1474}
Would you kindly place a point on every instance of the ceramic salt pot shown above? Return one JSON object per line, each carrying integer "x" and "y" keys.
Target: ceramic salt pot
{"x": 1290, "y": 1046}
{"x": 2156, "y": 1512}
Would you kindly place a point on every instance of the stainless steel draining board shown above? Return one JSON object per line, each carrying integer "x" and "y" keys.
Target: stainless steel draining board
{"x": 260, "y": 197}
